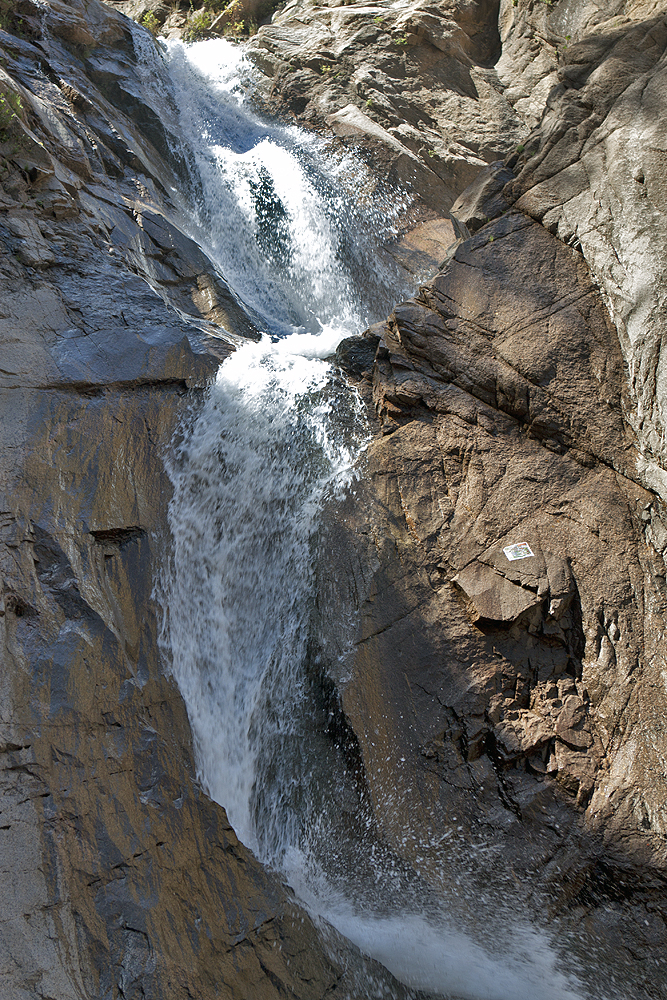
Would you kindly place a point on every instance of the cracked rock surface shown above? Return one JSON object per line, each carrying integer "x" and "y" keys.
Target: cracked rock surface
{"x": 514, "y": 705}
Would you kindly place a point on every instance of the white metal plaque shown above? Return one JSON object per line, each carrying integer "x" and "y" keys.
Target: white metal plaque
{"x": 521, "y": 550}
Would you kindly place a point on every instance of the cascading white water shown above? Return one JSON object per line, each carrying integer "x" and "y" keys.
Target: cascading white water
{"x": 276, "y": 435}
{"x": 248, "y": 482}
{"x": 273, "y": 212}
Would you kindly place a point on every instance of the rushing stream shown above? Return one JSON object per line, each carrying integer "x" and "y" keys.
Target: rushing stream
{"x": 296, "y": 233}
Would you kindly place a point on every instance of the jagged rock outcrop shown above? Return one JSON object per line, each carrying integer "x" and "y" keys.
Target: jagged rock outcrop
{"x": 519, "y": 704}
{"x": 414, "y": 85}
{"x": 516, "y": 705}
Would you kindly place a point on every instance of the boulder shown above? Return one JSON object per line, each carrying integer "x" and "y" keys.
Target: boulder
{"x": 492, "y": 596}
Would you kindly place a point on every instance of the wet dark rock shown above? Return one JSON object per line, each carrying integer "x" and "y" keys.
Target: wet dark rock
{"x": 119, "y": 876}
{"x": 356, "y": 355}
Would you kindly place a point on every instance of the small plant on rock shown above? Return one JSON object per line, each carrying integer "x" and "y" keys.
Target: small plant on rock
{"x": 11, "y": 107}
{"x": 150, "y": 22}
{"x": 7, "y": 14}
{"x": 10, "y": 20}
{"x": 198, "y": 25}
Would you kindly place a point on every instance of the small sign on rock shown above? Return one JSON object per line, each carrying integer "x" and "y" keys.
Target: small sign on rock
{"x": 521, "y": 550}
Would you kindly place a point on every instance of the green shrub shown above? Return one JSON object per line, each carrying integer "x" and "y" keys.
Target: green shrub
{"x": 150, "y": 22}
{"x": 11, "y": 107}
{"x": 198, "y": 25}
{"x": 6, "y": 14}
{"x": 236, "y": 17}
{"x": 9, "y": 19}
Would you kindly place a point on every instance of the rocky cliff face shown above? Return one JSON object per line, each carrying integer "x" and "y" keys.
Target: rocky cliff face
{"x": 519, "y": 705}
{"x": 515, "y": 705}
{"x": 120, "y": 878}
{"x": 415, "y": 84}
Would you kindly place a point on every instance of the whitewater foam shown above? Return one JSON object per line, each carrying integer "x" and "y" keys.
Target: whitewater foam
{"x": 277, "y": 436}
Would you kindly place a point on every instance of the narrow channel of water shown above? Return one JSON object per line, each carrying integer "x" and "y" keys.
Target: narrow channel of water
{"x": 295, "y": 232}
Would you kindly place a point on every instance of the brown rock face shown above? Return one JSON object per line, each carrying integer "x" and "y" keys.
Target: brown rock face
{"x": 593, "y": 174}
{"x": 412, "y": 85}
{"x": 507, "y": 714}
{"x": 119, "y": 877}
{"x": 514, "y": 704}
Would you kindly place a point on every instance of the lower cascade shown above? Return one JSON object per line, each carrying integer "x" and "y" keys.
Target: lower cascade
{"x": 294, "y": 230}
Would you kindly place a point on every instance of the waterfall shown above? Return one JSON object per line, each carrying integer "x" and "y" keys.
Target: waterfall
{"x": 248, "y": 482}
{"x": 296, "y": 231}
{"x": 275, "y": 212}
